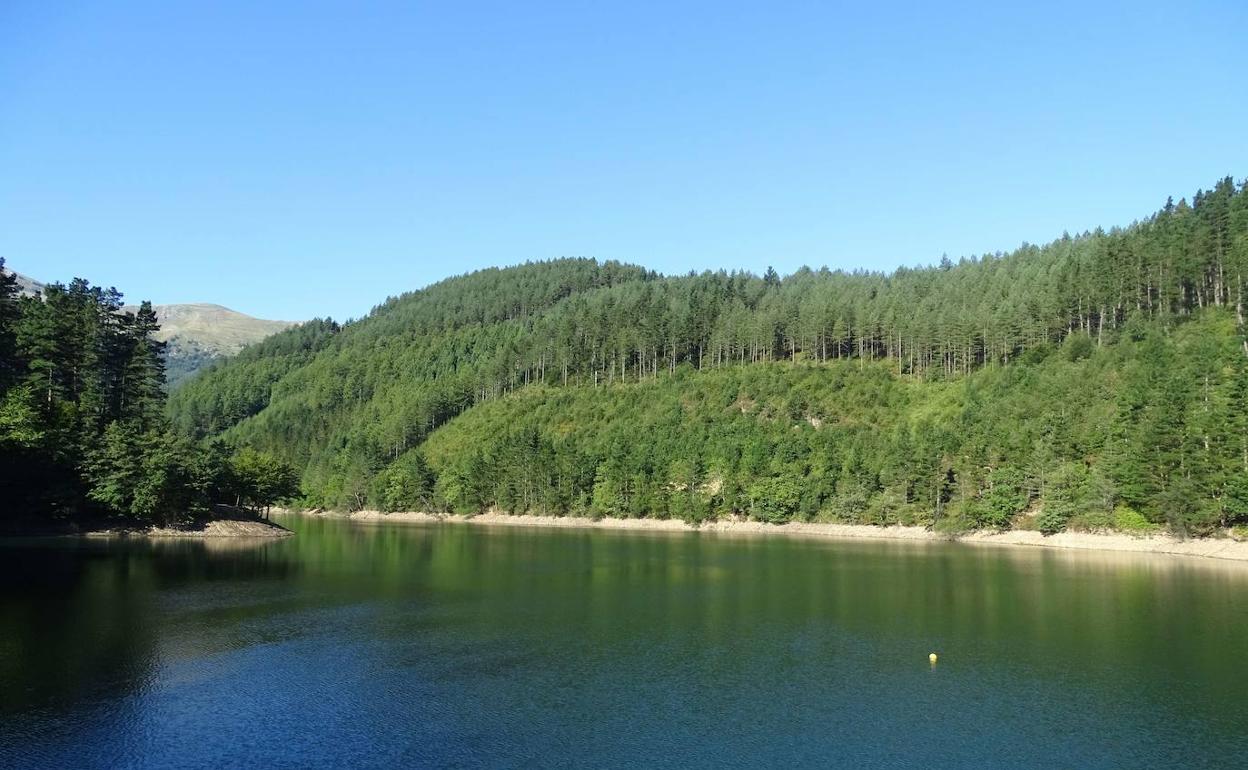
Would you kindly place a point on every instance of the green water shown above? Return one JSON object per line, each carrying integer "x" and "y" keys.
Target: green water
{"x": 450, "y": 645}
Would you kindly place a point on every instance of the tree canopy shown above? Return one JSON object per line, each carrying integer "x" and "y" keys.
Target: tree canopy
{"x": 1099, "y": 375}
{"x": 83, "y": 428}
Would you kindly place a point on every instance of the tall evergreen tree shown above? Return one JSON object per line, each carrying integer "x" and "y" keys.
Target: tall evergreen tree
{"x": 143, "y": 375}
{"x": 9, "y": 366}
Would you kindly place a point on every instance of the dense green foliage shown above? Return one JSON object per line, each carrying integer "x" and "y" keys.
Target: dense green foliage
{"x": 258, "y": 479}
{"x": 83, "y": 429}
{"x": 1097, "y": 378}
{"x": 861, "y": 444}
{"x": 253, "y": 372}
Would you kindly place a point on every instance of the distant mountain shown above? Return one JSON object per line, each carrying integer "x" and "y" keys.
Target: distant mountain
{"x": 197, "y": 334}
{"x": 200, "y": 333}
{"x": 27, "y": 285}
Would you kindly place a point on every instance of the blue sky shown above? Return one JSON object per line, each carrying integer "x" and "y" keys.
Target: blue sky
{"x": 311, "y": 158}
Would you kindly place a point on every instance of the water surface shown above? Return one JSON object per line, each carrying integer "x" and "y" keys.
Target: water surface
{"x": 450, "y": 645}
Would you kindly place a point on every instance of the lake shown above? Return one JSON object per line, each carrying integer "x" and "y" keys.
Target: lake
{"x": 451, "y": 645}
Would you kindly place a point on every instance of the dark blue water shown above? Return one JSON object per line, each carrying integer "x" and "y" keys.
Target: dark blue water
{"x": 454, "y": 646}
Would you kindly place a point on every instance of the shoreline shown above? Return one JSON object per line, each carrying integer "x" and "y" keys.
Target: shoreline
{"x": 1224, "y": 549}
{"x": 217, "y": 529}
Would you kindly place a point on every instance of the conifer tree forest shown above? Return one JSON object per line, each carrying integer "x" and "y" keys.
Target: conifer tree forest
{"x": 1098, "y": 381}
{"x": 84, "y": 435}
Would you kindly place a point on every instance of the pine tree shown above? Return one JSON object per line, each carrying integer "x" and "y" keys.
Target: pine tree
{"x": 9, "y": 313}
{"x": 143, "y": 378}
{"x": 115, "y": 468}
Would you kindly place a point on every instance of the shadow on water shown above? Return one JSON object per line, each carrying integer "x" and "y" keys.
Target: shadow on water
{"x": 77, "y": 612}
{"x": 449, "y": 644}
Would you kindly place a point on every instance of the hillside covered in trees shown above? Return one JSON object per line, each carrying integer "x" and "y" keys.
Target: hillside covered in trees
{"x": 1099, "y": 380}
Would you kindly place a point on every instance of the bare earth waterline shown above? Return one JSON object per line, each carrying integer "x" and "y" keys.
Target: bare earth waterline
{"x": 434, "y": 645}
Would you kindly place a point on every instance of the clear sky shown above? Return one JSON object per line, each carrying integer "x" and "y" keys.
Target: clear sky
{"x": 311, "y": 158}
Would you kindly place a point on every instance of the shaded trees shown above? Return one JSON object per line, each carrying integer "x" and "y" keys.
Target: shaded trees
{"x": 83, "y": 432}
{"x": 259, "y": 480}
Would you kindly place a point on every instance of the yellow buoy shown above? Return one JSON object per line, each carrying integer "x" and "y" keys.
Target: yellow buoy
{"x": 932, "y": 658}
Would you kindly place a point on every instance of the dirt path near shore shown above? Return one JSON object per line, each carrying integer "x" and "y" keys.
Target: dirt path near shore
{"x": 1214, "y": 548}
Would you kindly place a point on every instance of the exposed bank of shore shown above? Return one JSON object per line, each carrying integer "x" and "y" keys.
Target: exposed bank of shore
{"x": 222, "y": 528}
{"x": 1215, "y": 548}
{"x": 215, "y": 530}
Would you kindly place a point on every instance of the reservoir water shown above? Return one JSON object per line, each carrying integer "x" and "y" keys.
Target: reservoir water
{"x": 461, "y": 646}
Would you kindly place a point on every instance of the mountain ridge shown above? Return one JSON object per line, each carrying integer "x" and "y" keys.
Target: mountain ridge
{"x": 196, "y": 334}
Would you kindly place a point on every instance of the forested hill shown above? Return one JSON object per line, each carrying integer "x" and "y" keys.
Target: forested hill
{"x": 1097, "y": 378}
